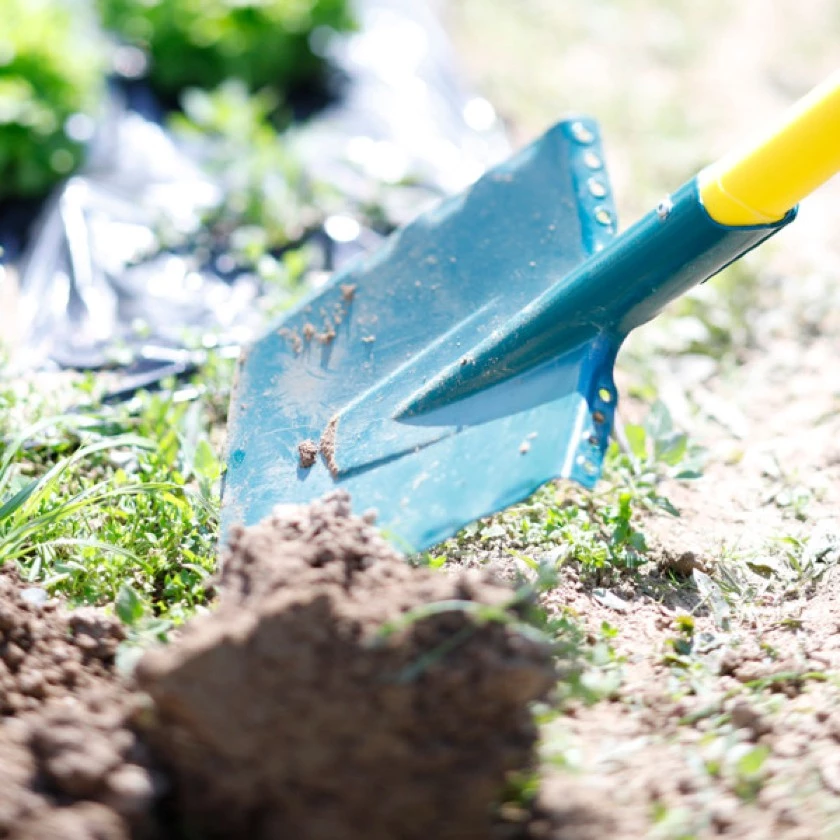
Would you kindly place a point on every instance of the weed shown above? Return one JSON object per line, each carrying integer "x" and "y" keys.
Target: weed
{"x": 713, "y": 598}
{"x": 671, "y": 823}
{"x": 269, "y": 201}
{"x": 597, "y": 530}
{"x": 787, "y": 567}
{"x": 143, "y": 627}
{"x": 521, "y": 789}
{"x": 739, "y": 764}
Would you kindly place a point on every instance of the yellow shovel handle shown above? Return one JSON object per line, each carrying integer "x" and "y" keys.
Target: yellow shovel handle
{"x": 760, "y": 183}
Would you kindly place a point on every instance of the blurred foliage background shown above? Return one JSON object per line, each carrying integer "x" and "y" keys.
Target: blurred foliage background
{"x": 673, "y": 82}
{"x": 201, "y": 43}
{"x": 55, "y": 59}
{"x": 51, "y": 79}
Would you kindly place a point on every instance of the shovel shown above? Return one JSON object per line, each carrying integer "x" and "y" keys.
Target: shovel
{"x": 470, "y": 360}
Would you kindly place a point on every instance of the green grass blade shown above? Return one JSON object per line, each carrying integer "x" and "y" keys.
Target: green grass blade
{"x": 72, "y": 542}
{"x": 51, "y": 477}
{"x": 17, "y": 501}
{"x": 16, "y": 446}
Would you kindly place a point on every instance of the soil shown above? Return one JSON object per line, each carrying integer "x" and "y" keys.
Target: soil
{"x": 294, "y": 339}
{"x": 670, "y": 745}
{"x": 46, "y": 653}
{"x": 327, "y": 336}
{"x": 327, "y": 446}
{"x": 288, "y": 713}
{"x": 664, "y": 749}
{"x": 69, "y": 765}
{"x": 307, "y": 453}
{"x": 764, "y": 675}
{"x": 318, "y": 700}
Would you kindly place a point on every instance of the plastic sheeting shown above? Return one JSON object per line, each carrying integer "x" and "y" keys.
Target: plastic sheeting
{"x": 100, "y": 286}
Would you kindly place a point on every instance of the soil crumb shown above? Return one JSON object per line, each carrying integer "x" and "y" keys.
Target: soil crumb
{"x": 69, "y": 765}
{"x": 348, "y": 291}
{"x": 77, "y": 771}
{"x": 294, "y": 339}
{"x": 307, "y": 453}
{"x": 46, "y": 652}
{"x": 290, "y": 713}
{"x": 327, "y": 446}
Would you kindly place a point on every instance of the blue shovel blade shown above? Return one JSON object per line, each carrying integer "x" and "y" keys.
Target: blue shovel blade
{"x": 339, "y": 368}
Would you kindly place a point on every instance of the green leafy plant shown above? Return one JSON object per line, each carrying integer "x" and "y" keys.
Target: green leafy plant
{"x": 143, "y": 628}
{"x": 269, "y": 200}
{"x": 50, "y": 80}
{"x": 201, "y": 43}
{"x": 654, "y": 450}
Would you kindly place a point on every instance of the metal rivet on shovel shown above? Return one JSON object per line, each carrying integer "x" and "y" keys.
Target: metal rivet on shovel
{"x": 581, "y": 133}
{"x": 664, "y": 208}
{"x": 592, "y": 160}
{"x": 596, "y": 188}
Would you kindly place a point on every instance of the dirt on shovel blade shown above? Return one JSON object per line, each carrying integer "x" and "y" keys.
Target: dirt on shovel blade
{"x": 287, "y": 712}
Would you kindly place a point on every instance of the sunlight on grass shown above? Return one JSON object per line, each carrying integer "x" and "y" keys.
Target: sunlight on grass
{"x": 90, "y": 503}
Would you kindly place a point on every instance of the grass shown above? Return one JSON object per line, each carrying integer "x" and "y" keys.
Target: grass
{"x": 111, "y": 500}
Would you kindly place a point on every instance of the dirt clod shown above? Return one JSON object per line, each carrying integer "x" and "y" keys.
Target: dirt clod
{"x": 327, "y": 336}
{"x": 294, "y": 339}
{"x": 288, "y": 713}
{"x": 70, "y": 767}
{"x": 744, "y": 716}
{"x": 321, "y": 680}
{"x": 46, "y": 652}
{"x": 327, "y": 446}
{"x": 307, "y": 453}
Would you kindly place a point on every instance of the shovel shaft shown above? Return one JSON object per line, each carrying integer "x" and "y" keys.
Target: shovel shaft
{"x": 760, "y": 182}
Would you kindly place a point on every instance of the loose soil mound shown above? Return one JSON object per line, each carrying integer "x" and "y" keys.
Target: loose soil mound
{"x": 288, "y": 712}
{"x": 69, "y": 765}
{"x": 45, "y": 652}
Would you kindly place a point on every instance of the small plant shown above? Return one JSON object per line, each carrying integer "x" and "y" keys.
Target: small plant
{"x": 269, "y": 201}
{"x": 143, "y": 628}
{"x": 598, "y": 530}
{"x": 741, "y": 765}
{"x": 201, "y": 43}
{"x": 654, "y": 451}
{"x": 50, "y": 81}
